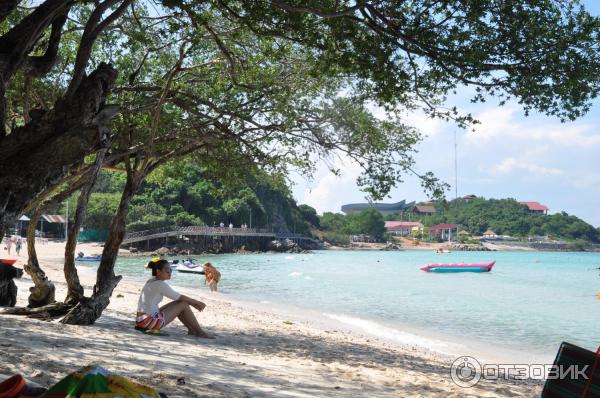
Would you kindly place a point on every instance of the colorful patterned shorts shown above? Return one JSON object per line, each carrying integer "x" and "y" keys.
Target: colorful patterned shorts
{"x": 150, "y": 322}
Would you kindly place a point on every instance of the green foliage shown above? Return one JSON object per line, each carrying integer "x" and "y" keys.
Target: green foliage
{"x": 184, "y": 193}
{"x": 310, "y": 215}
{"x": 367, "y": 222}
{"x": 336, "y": 238}
{"x": 251, "y": 85}
{"x": 101, "y": 208}
{"x": 370, "y": 222}
{"x": 333, "y": 222}
{"x": 509, "y": 217}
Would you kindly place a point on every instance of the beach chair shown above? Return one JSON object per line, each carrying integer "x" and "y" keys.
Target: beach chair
{"x": 568, "y": 386}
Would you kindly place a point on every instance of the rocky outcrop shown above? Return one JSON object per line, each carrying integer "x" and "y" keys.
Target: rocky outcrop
{"x": 467, "y": 247}
{"x": 391, "y": 246}
{"x": 285, "y": 246}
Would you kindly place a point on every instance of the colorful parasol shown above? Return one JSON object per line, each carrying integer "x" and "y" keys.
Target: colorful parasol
{"x": 96, "y": 382}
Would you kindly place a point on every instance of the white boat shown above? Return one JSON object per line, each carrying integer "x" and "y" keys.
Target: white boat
{"x": 188, "y": 266}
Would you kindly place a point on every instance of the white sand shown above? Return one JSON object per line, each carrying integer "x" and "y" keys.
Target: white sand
{"x": 256, "y": 354}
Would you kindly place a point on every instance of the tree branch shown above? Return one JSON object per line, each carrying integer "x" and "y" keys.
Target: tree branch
{"x": 36, "y": 66}
{"x": 93, "y": 28}
{"x": 7, "y": 7}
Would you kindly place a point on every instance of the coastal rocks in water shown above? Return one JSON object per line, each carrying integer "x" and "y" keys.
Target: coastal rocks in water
{"x": 467, "y": 247}
{"x": 162, "y": 251}
{"x": 392, "y": 246}
{"x": 285, "y": 246}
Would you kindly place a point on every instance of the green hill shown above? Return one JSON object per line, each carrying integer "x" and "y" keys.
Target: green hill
{"x": 509, "y": 217}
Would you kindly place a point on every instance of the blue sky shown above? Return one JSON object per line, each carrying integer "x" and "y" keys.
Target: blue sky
{"x": 535, "y": 158}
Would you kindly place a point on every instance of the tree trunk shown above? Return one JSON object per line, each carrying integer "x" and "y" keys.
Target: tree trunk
{"x": 40, "y": 153}
{"x": 75, "y": 290}
{"x": 42, "y": 293}
{"x": 89, "y": 309}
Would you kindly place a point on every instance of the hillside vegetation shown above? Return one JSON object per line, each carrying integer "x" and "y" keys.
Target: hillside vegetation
{"x": 185, "y": 194}
{"x": 509, "y": 217}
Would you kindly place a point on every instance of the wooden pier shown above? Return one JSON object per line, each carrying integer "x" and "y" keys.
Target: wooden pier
{"x": 217, "y": 239}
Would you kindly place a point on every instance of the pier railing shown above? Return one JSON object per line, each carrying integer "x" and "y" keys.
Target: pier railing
{"x": 139, "y": 236}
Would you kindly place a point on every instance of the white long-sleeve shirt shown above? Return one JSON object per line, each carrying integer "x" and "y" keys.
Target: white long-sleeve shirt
{"x": 152, "y": 294}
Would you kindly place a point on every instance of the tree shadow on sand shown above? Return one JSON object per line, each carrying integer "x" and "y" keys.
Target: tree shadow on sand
{"x": 183, "y": 366}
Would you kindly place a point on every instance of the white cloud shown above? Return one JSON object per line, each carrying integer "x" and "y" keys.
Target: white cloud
{"x": 331, "y": 191}
{"x": 506, "y": 123}
{"x": 510, "y": 165}
{"x": 426, "y": 125}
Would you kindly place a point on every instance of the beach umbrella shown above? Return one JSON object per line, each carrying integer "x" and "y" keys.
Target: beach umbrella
{"x": 96, "y": 382}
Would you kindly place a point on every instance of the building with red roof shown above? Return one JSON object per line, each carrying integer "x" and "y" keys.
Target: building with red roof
{"x": 535, "y": 207}
{"x": 444, "y": 231}
{"x": 401, "y": 228}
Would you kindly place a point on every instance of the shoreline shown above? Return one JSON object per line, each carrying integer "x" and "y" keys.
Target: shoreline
{"x": 257, "y": 352}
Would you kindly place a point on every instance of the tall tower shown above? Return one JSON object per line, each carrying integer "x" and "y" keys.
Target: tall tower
{"x": 455, "y": 168}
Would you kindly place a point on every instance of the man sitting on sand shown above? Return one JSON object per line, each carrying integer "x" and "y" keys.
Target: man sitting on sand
{"x": 152, "y": 318}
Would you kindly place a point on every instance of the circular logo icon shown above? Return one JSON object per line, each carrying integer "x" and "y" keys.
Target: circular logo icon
{"x": 465, "y": 372}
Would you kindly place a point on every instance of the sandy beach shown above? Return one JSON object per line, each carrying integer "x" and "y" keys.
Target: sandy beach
{"x": 255, "y": 353}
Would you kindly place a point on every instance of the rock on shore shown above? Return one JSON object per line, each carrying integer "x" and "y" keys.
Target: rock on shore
{"x": 285, "y": 246}
{"x": 467, "y": 247}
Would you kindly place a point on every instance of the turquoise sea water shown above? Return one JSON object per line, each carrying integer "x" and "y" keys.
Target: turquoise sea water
{"x": 530, "y": 302}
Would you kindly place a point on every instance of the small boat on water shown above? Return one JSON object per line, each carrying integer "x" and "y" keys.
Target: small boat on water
{"x": 486, "y": 267}
{"x": 88, "y": 258}
{"x": 187, "y": 266}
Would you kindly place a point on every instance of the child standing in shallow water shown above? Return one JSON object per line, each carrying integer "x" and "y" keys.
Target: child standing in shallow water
{"x": 212, "y": 275}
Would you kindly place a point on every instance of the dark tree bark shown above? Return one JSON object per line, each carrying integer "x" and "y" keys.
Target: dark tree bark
{"x": 89, "y": 309}
{"x": 43, "y": 291}
{"x": 46, "y": 312}
{"x": 75, "y": 290}
{"x": 39, "y": 154}
{"x": 19, "y": 41}
{"x": 7, "y": 7}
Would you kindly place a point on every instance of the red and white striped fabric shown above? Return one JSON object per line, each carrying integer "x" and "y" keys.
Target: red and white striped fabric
{"x": 150, "y": 321}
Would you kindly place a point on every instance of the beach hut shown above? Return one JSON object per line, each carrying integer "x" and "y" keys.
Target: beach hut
{"x": 489, "y": 234}
{"x": 21, "y": 227}
{"x": 444, "y": 231}
{"x": 52, "y": 225}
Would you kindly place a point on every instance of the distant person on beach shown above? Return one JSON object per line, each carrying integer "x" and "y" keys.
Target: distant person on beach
{"x": 212, "y": 276}
{"x": 18, "y": 246}
{"x": 152, "y": 318}
{"x": 8, "y": 244}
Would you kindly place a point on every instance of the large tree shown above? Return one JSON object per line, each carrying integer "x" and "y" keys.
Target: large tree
{"x": 275, "y": 83}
